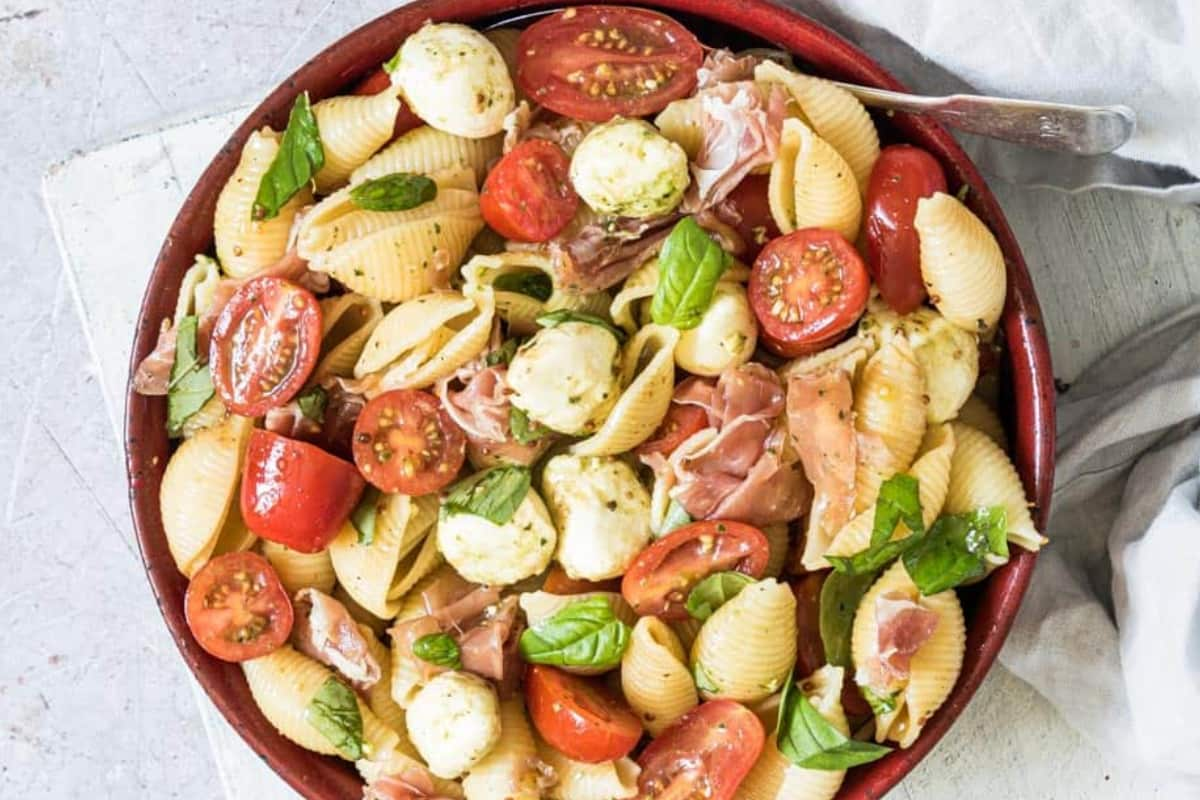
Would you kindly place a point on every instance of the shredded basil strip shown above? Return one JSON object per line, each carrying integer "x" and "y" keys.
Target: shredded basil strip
{"x": 531, "y": 284}
{"x": 312, "y": 403}
{"x": 503, "y": 354}
{"x": 364, "y": 515}
{"x": 676, "y": 517}
{"x": 556, "y": 318}
{"x": 190, "y": 385}
{"x": 879, "y": 703}
{"x": 333, "y": 711}
{"x": 390, "y": 65}
{"x": 585, "y": 633}
{"x": 715, "y": 591}
{"x": 300, "y": 157}
{"x": 956, "y": 549}
{"x": 439, "y": 649}
{"x": 808, "y": 740}
{"x": 703, "y": 682}
{"x": 689, "y": 266}
{"x": 398, "y": 191}
{"x": 494, "y": 495}
{"x": 899, "y": 501}
{"x": 525, "y": 430}
{"x": 840, "y": 596}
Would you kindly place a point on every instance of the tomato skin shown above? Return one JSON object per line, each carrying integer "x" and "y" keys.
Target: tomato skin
{"x": 578, "y": 716}
{"x": 706, "y": 753}
{"x": 527, "y": 196}
{"x": 559, "y": 582}
{"x": 749, "y": 212}
{"x": 295, "y": 493}
{"x": 237, "y": 608}
{"x": 264, "y": 345}
{"x": 567, "y": 61}
{"x": 682, "y": 420}
{"x": 902, "y": 176}
{"x": 375, "y": 83}
{"x": 806, "y": 289}
{"x": 661, "y": 576}
{"x": 404, "y": 441}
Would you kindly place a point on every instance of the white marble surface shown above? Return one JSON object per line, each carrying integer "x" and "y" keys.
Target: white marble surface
{"x": 93, "y": 697}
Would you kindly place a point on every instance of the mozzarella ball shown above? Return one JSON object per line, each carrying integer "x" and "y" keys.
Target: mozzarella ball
{"x": 484, "y": 552}
{"x": 453, "y": 722}
{"x": 567, "y": 377}
{"x": 455, "y": 79}
{"x": 725, "y": 337}
{"x": 602, "y": 512}
{"x": 627, "y": 168}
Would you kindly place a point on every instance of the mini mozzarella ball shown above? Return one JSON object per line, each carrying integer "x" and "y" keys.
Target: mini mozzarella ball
{"x": 627, "y": 168}
{"x": 725, "y": 337}
{"x": 602, "y": 513}
{"x": 484, "y": 552}
{"x": 566, "y": 377}
{"x": 453, "y": 722}
{"x": 456, "y": 80}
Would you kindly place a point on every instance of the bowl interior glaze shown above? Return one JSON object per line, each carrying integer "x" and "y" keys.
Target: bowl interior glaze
{"x": 1027, "y": 382}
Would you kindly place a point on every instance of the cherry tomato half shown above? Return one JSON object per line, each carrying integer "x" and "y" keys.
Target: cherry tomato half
{"x": 527, "y": 196}
{"x": 578, "y": 717}
{"x": 807, "y": 288}
{"x": 375, "y": 83}
{"x": 706, "y": 753}
{"x": 559, "y": 582}
{"x": 661, "y": 576}
{"x": 682, "y": 420}
{"x": 598, "y": 62}
{"x": 264, "y": 345}
{"x": 749, "y": 212}
{"x": 295, "y": 493}
{"x": 236, "y": 607}
{"x": 902, "y": 176}
{"x": 404, "y": 441}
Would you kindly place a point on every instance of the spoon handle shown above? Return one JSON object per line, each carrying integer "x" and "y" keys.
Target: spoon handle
{"x": 1083, "y": 130}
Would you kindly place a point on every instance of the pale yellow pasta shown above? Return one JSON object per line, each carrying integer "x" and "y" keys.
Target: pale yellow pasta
{"x": 849, "y": 355}
{"x": 352, "y": 128}
{"x": 889, "y": 417}
{"x": 654, "y": 675}
{"x": 246, "y": 245}
{"x": 981, "y": 476}
{"x": 576, "y": 780}
{"x": 934, "y": 667}
{"x": 778, "y": 543}
{"x": 426, "y": 150}
{"x": 961, "y": 263}
{"x": 209, "y": 414}
{"x": 519, "y": 310}
{"x": 198, "y": 287}
{"x": 235, "y": 535}
{"x": 379, "y": 695}
{"x": 745, "y": 650}
{"x": 346, "y": 323}
{"x": 773, "y": 777}
{"x": 507, "y": 772}
{"x": 360, "y": 614}
{"x": 371, "y": 573}
{"x": 681, "y": 123}
{"x": 199, "y": 486}
{"x": 979, "y": 415}
{"x": 811, "y": 185}
{"x": 407, "y": 326}
{"x": 396, "y": 762}
{"x": 836, "y": 115}
{"x": 298, "y": 570}
{"x": 648, "y": 375}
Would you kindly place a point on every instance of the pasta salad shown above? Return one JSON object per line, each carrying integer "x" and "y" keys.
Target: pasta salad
{"x": 580, "y": 412}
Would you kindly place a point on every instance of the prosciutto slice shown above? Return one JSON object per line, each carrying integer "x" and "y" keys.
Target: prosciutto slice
{"x": 325, "y": 631}
{"x": 153, "y": 374}
{"x": 288, "y": 420}
{"x": 903, "y": 627}
{"x": 414, "y": 782}
{"x": 481, "y": 408}
{"x": 722, "y": 66}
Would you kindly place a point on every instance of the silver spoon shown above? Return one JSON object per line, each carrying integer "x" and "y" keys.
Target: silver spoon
{"x": 1083, "y": 130}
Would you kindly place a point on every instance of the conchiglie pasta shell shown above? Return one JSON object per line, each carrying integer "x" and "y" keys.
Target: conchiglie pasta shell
{"x": 406, "y": 679}
{"x": 360, "y": 614}
{"x": 245, "y": 245}
{"x": 961, "y": 263}
{"x": 521, "y": 311}
{"x": 197, "y": 289}
{"x": 811, "y": 186}
{"x": 408, "y": 325}
{"x": 650, "y": 356}
{"x": 680, "y": 122}
{"x": 210, "y": 414}
{"x": 235, "y": 536}
{"x": 849, "y": 355}
{"x": 426, "y": 150}
{"x": 507, "y": 771}
{"x": 379, "y": 696}
{"x": 352, "y": 128}
{"x": 889, "y": 408}
{"x": 298, "y": 570}
{"x": 979, "y": 415}
{"x": 747, "y": 647}
{"x": 347, "y": 322}
{"x": 981, "y": 476}
{"x": 577, "y": 780}
{"x": 198, "y": 488}
{"x": 641, "y": 285}
{"x": 396, "y": 762}
{"x": 654, "y": 675}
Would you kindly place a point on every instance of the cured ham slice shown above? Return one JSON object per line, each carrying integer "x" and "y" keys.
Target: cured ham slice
{"x": 903, "y": 627}
{"x": 325, "y": 631}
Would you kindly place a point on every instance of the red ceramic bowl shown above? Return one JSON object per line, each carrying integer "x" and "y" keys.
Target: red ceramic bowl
{"x": 1026, "y": 374}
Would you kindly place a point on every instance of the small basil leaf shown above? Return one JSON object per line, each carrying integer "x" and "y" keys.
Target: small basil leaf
{"x": 398, "y": 191}
{"x": 880, "y": 703}
{"x": 300, "y": 157}
{"x": 503, "y": 354}
{"x": 191, "y": 385}
{"x": 439, "y": 649}
{"x": 840, "y": 596}
{"x": 531, "y": 284}
{"x": 808, "y": 740}
{"x": 494, "y": 495}
{"x": 333, "y": 711}
{"x": 676, "y": 517}
{"x": 390, "y": 65}
{"x": 556, "y": 318}
{"x": 689, "y": 266}
{"x": 703, "y": 682}
{"x": 583, "y": 634}
{"x": 715, "y": 591}
{"x": 312, "y": 403}
{"x": 364, "y": 515}
{"x": 899, "y": 501}
{"x": 524, "y": 430}
{"x": 955, "y": 549}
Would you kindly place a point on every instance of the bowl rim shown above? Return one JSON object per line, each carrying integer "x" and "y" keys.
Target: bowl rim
{"x": 353, "y": 56}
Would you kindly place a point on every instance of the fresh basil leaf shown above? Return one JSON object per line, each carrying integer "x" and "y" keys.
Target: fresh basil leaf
{"x": 503, "y": 354}
{"x": 392, "y": 63}
{"x": 312, "y": 403}
{"x": 899, "y": 501}
{"x": 955, "y": 549}
{"x": 703, "y": 682}
{"x": 364, "y": 515}
{"x": 333, "y": 711}
{"x": 689, "y": 266}
{"x": 439, "y": 649}
{"x": 524, "y": 430}
{"x": 555, "y": 318}
{"x": 808, "y": 740}
{"x": 840, "y": 596}
{"x": 531, "y": 284}
{"x": 715, "y": 591}
{"x": 494, "y": 495}
{"x": 676, "y": 517}
{"x": 583, "y": 634}
{"x": 191, "y": 385}
{"x": 398, "y": 191}
{"x": 300, "y": 157}
{"x": 880, "y": 703}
